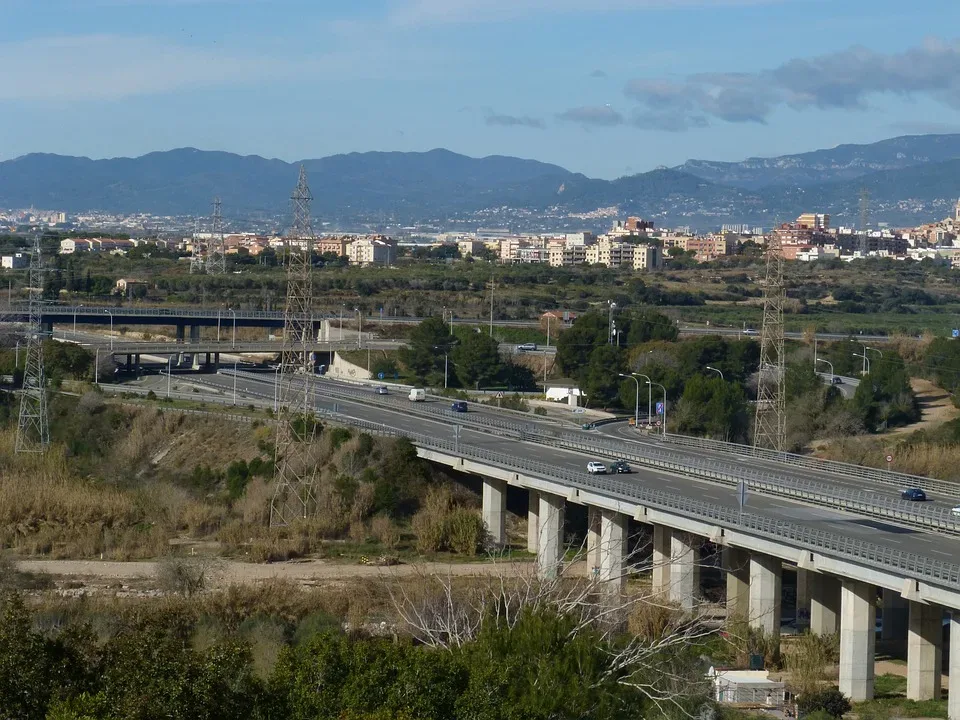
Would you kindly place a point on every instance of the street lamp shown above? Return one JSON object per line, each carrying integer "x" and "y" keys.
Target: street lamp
{"x": 169, "y": 372}
{"x": 111, "y": 327}
{"x": 96, "y": 366}
{"x": 276, "y": 387}
{"x": 235, "y": 383}
{"x": 664, "y": 406}
{"x": 866, "y": 362}
{"x": 831, "y": 368}
{"x": 233, "y": 343}
{"x": 636, "y": 404}
{"x": 342, "y": 308}
{"x": 360, "y": 329}
{"x": 649, "y": 396}
{"x": 218, "y": 324}
{"x": 446, "y": 363}
{"x": 708, "y": 367}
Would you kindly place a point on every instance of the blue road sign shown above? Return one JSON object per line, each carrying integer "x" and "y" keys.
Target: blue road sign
{"x": 956, "y": 332}
{"x": 380, "y": 375}
{"x": 659, "y": 408}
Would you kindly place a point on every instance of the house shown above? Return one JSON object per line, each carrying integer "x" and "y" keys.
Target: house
{"x": 15, "y": 262}
{"x": 559, "y": 318}
{"x": 130, "y": 288}
{"x": 753, "y": 687}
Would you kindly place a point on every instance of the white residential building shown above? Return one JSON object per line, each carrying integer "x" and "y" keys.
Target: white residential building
{"x": 370, "y": 251}
{"x": 15, "y": 262}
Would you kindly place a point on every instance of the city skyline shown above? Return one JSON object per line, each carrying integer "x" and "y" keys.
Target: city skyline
{"x": 707, "y": 79}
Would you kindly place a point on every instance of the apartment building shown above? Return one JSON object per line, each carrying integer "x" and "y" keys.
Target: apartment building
{"x": 647, "y": 257}
{"x": 567, "y": 255}
{"x": 332, "y": 244}
{"x": 371, "y": 251}
{"x": 17, "y": 261}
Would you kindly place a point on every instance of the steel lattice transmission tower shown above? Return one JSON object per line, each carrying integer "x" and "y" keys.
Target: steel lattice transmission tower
{"x": 216, "y": 252}
{"x": 770, "y": 428}
{"x": 296, "y": 471}
{"x": 33, "y": 429}
{"x": 196, "y": 257}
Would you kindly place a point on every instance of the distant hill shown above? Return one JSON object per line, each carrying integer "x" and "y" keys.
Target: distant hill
{"x": 843, "y": 162}
{"x": 184, "y": 182}
{"x": 444, "y": 188}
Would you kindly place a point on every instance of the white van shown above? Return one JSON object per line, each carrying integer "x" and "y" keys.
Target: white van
{"x": 418, "y": 395}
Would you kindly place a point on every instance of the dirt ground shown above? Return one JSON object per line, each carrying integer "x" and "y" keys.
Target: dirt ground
{"x": 935, "y": 406}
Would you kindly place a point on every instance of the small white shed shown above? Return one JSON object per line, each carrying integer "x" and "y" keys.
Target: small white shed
{"x": 746, "y": 686}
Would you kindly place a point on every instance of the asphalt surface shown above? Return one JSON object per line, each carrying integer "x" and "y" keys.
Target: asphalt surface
{"x": 879, "y": 532}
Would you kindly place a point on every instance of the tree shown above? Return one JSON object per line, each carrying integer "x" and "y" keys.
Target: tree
{"x": 419, "y": 355}
{"x": 713, "y": 408}
{"x": 646, "y": 325}
{"x": 884, "y": 397}
{"x": 600, "y": 380}
{"x": 476, "y": 360}
{"x": 575, "y": 344}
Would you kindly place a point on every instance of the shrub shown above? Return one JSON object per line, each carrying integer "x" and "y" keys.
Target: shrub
{"x": 182, "y": 575}
{"x": 831, "y": 701}
{"x": 385, "y": 531}
{"x": 465, "y": 532}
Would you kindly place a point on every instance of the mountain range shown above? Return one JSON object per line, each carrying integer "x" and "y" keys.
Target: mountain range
{"x": 910, "y": 179}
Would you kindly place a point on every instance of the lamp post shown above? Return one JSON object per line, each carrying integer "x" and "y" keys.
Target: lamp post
{"x": 446, "y": 362}
{"x": 169, "y": 372}
{"x": 111, "y": 327}
{"x": 664, "y": 407}
{"x": 218, "y": 324}
{"x": 866, "y": 362}
{"x": 234, "y": 383}
{"x": 360, "y": 329}
{"x": 708, "y": 367}
{"x": 636, "y": 403}
{"x": 341, "y": 320}
{"x": 276, "y": 388}
{"x": 831, "y": 368}
{"x": 548, "y": 329}
{"x": 649, "y": 396}
{"x": 233, "y": 342}
{"x": 96, "y": 365}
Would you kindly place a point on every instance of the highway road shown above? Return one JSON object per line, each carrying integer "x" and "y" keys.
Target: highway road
{"x": 263, "y": 386}
{"x": 878, "y": 532}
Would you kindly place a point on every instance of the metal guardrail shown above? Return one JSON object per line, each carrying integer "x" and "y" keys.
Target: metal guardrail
{"x": 910, "y": 564}
{"x": 862, "y": 502}
{"x": 886, "y": 477}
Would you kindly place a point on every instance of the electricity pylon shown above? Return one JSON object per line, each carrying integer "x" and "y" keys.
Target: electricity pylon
{"x": 33, "y": 428}
{"x": 770, "y": 427}
{"x": 216, "y": 252}
{"x": 295, "y": 471}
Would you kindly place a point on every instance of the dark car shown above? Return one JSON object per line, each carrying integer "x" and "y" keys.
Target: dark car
{"x": 459, "y": 406}
{"x": 620, "y": 466}
{"x": 914, "y": 494}
{"x": 837, "y": 380}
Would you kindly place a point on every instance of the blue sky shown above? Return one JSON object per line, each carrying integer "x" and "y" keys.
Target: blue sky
{"x": 603, "y": 87}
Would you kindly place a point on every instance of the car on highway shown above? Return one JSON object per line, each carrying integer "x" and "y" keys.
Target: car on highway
{"x": 620, "y": 466}
{"x": 527, "y": 347}
{"x": 837, "y": 380}
{"x": 459, "y": 406}
{"x": 955, "y": 510}
{"x": 596, "y": 468}
{"x": 914, "y": 495}
{"x": 749, "y": 331}
{"x": 418, "y": 395}
{"x": 382, "y": 390}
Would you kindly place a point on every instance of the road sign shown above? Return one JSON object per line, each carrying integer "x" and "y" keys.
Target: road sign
{"x": 500, "y": 395}
{"x": 380, "y": 375}
{"x": 889, "y": 458}
{"x": 741, "y": 494}
{"x": 956, "y": 333}
{"x": 659, "y": 408}
{"x": 658, "y": 423}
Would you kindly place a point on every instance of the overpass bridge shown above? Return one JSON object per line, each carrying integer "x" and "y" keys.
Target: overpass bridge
{"x": 845, "y": 554}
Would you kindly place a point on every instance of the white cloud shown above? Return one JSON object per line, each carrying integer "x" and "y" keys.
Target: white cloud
{"x": 110, "y": 67}
{"x": 438, "y": 12}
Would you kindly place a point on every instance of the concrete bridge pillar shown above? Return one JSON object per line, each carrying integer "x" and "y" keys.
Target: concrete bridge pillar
{"x": 858, "y": 617}
{"x": 136, "y": 363}
{"x": 593, "y": 541}
{"x": 803, "y": 594}
{"x": 684, "y": 569}
{"x": 533, "y": 525}
{"x": 953, "y": 698}
{"x": 613, "y": 549}
{"x": 661, "y": 559}
{"x": 129, "y": 364}
{"x": 194, "y": 333}
{"x": 550, "y": 541}
{"x": 924, "y": 652}
{"x": 181, "y": 329}
{"x": 495, "y": 509}
{"x": 736, "y": 565}
{"x": 824, "y": 603}
{"x": 216, "y": 362}
{"x": 894, "y": 619}
{"x": 765, "y": 593}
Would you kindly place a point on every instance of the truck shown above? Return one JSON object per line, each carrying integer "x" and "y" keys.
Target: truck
{"x": 418, "y": 395}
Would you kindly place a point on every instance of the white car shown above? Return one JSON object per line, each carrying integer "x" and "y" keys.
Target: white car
{"x": 596, "y": 468}
{"x": 956, "y": 510}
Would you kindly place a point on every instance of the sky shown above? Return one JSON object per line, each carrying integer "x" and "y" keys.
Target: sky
{"x": 603, "y": 87}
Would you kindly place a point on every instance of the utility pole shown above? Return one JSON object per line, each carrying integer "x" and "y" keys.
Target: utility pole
{"x": 216, "y": 252}
{"x": 295, "y": 469}
{"x": 492, "y": 286}
{"x": 770, "y": 429}
{"x": 33, "y": 428}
